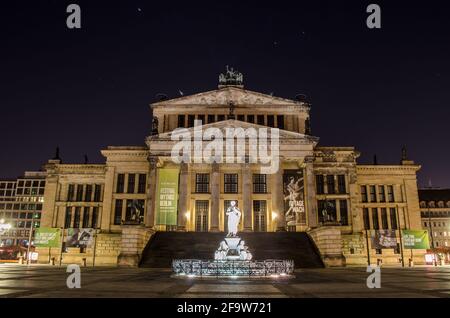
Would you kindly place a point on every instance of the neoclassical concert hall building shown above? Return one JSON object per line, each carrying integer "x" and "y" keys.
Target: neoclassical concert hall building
{"x": 319, "y": 191}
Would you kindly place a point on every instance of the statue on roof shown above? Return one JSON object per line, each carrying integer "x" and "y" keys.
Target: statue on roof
{"x": 231, "y": 77}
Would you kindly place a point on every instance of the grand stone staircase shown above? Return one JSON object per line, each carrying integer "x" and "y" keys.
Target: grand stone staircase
{"x": 163, "y": 247}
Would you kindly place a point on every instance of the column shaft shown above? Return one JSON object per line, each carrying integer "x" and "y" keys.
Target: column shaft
{"x": 215, "y": 197}
{"x": 183, "y": 197}
{"x": 247, "y": 197}
{"x": 278, "y": 199}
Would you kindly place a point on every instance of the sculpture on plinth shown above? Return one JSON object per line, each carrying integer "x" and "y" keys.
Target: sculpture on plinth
{"x": 234, "y": 215}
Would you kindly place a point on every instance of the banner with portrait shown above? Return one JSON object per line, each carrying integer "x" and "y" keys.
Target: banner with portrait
{"x": 79, "y": 237}
{"x": 384, "y": 239}
{"x": 294, "y": 197}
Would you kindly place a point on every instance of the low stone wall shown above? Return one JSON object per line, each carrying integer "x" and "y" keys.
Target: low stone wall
{"x": 134, "y": 240}
{"x": 329, "y": 242}
{"x": 107, "y": 249}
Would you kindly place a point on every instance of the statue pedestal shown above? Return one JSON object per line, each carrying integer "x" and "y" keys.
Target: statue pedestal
{"x": 233, "y": 242}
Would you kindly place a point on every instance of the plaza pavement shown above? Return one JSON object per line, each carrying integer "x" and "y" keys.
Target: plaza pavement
{"x": 50, "y": 282}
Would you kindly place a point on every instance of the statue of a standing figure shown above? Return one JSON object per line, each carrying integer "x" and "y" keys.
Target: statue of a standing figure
{"x": 234, "y": 215}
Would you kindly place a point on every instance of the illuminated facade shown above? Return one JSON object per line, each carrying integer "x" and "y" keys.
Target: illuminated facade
{"x": 321, "y": 190}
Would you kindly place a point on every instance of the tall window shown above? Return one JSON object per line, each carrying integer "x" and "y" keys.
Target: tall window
{"x": 280, "y": 121}
{"x": 131, "y": 182}
{"x": 191, "y": 119}
{"x": 375, "y": 223}
{"x": 79, "y": 193}
{"x": 94, "y": 217}
{"x": 363, "y": 193}
{"x": 142, "y": 183}
{"x": 97, "y": 192}
{"x": 373, "y": 194}
{"x": 181, "y": 120}
{"x": 68, "y": 217}
{"x": 76, "y": 217}
{"x": 259, "y": 183}
{"x": 220, "y": 117}
{"x": 118, "y": 212}
{"x": 202, "y": 119}
{"x": 120, "y": 183}
{"x": 201, "y": 215}
{"x": 393, "y": 215}
{"x": 381, "y": 195}
{"x": 211, "y": 119}
{"x": 330, "y": 184}
{"x": 270, "y": 121}
{"x": 259, "y": 216}
{"x": 384, "y": 219}
{"x": 241, "y": 117}
{"x": 251, "y": 119}
{"x": 86, "y": 217}
{"x": 343, "y": 211}
{"x": 390, "y": 191}
{"x": 202, "y": 183}
{"x": 231, "y": 183}
{"x": 260, "y": 119}
{"x": 366, "y": 219}
{"x": 70, "y": 192}
{"x": 88, "y": 193}
{"x": 341, "y": 184}
{"x": 128, "y": 210}
{"x": 319, "y": 184}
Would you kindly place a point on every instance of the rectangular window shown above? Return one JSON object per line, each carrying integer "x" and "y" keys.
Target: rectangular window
{"x": 381, "y": 194}
{"x": 97, "y": 193}
{"x": 343, "y": 211}
{"x": 142, "y": 183}
{"x": 86, "y": 217}
{"x": 220, "y": 117}
{"x": 241, "y": 117}
{"x": 373, "y": 194}
{"x": 211, "y": 119}
{"x": 191, "y": 119}
{"x": 131, "y": 182}
{"x": 384, "y": 219}
{"x": 260, "y": 119}
{"x": 70, "y": 192}
{"x": 231, "y": 183}
{"x": 280, "y": 121}
{"x": 270, "y": 121}
{"x": 330, "y": 184}
{"x": 363, "y": 193}
{"x": 118, "y": 212}
{"x": 94, "y": 217}
{"x": 390, "y": 191}
{"x": 393, "y": 214}
{"x": 202, "y": 183}
{"x": 77, "y": 217}
{"x": 259, "y": 183}
{"x": 128, "y": 210}
{"x": 341, "y": 184}
{"x": 120, "y": 183}
{"x": 375, "y": 223}
{"x": 202, "y": 119}
{"x": 181, "y": 120}
{"x": 201, "y": 215}
{"x": 259, "y": 216}
{"x": 366, "y": 219}
{"x": 251, "y": 119}
{"x": 320, "y": 189}
{"x": 88, "y": 194}
{"x": 79, "y": 193}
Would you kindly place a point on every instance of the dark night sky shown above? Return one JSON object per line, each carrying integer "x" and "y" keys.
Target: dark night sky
{"x": 86, "y": 89}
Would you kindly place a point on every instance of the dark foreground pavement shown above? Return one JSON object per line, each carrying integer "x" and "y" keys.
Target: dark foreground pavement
{"x": 45, "y": 281}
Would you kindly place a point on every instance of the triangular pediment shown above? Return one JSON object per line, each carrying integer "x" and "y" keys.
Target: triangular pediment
{"x": 232, "y": 123}
{"x": 223, "y": 96}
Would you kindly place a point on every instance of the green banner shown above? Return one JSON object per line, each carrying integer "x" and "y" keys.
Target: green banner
{"x": 47, "y": 237}
{"x": 167, "y": 197}
{"x": 415, "y": 239}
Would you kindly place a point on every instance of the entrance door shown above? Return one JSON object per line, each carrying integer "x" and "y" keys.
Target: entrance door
{"x": 201, "y": 215}
{"x": 259, "y": 216}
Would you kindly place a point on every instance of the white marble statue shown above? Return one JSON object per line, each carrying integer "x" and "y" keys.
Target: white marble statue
{"x": 222, "y": 251}
{"x": 244, "y": 253}
{"x": 234, "y": 215}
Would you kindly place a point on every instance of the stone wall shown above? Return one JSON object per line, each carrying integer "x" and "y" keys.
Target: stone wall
{"x": 134, "y": 240}
{"x": 329, "y": 242}
{"x": 107, "y": 249}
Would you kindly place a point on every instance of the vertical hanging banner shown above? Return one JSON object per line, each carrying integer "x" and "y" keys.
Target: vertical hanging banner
{"x": 415, "y": 239}
{"x": 294, "y": 197}
{"x": 167, "y": 197}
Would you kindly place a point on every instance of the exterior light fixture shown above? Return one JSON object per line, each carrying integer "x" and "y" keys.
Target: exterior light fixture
{"x": 274, "y": 215}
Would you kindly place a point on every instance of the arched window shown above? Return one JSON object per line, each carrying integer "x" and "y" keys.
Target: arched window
{"x": 431, "y": 204}
{"x": 441, "y": 204}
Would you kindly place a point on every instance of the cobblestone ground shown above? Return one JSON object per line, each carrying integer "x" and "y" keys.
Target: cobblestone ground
{"x": 45, "y": 281}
